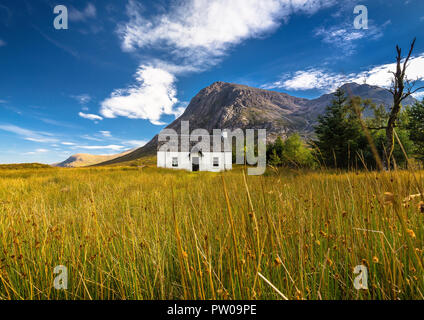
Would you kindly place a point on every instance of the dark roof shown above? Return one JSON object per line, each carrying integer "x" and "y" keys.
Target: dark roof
{"x": 194, "y": 146}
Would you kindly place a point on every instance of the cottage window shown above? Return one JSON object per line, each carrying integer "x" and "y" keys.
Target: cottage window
{"x": 216, "y": 162}
{"x": 175, "y": 161}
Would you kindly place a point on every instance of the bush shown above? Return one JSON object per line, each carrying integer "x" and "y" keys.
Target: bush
{"x": 291, "y": 153}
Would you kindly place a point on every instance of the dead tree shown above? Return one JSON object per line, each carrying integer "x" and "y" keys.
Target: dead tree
{"x": 401, "y": 89}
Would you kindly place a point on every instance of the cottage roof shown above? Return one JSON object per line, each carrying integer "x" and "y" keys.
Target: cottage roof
{"x": 205, "y": 143}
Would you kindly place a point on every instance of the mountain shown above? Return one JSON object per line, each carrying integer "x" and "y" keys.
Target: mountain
{"x": 377, "y": 94}
{"x": 85, "y": 159}
{"x": 228, "y": 106}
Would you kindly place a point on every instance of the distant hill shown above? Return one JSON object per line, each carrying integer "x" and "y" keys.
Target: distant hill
{"x": 85, "y": 159}
{"x": 228, "y": 106}
{"x": 378, "y": 95}
{"x": 18, "y": 166}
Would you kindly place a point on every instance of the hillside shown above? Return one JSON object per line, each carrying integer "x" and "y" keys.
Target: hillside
{"x": 85, "y": 159}
{"x": 19, "y": 166}
{"x": 229, "y": 106}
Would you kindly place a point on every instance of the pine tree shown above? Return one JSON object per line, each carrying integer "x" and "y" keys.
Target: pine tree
{"x": 274, "y": 159}
{"x": 339, "y": 134}
{"x": 415, "y": 127}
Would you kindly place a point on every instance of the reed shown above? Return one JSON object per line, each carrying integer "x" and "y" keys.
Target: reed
{"x": 131, "y": 233}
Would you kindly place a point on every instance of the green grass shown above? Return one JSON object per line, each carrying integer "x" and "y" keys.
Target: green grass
{"x": 146, "y": 233}
{"x": 24, "y": 166}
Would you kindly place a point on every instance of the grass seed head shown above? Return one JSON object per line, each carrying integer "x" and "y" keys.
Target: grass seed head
{"x": 411, "y": 233}
{"x": 277, "y": 261}
{"x": 389, "y": 198}
{"x": 421, "y": 206}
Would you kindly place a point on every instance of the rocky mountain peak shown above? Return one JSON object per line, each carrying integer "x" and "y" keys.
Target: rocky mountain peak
{"x": 224, "y": 105}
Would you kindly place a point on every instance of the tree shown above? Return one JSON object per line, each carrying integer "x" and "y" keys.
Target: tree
{"x": 296, "y": 154}
{"x": 274, "y": 151}
{"x": 398, "y": 155}
{"x": 339, "y": 134}
{"x": 377, "y": 125}
{"x": 290, "y": 153}
{"x": 279, "y": 146}
{"x": 401, "y": 89}
{"x": 416, "y": 127}
{"x": 274, "y": 159}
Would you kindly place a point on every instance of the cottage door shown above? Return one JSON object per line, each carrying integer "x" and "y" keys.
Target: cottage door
{"x": 195, "y": 164}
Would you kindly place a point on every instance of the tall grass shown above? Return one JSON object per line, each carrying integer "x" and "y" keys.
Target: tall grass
{"x": 126, "y": 233}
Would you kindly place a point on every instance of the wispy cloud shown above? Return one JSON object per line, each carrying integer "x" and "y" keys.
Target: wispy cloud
{"x": 37, "y": 151}
{"x": 91, "y": 138}
{"x": 35, "y": 136}
{"x": 82, "y": 99}
{"x": 65, "y": 143}
{"x": 81, "y": 15}
{"x": 346, "y": 37}
{"x": 2, "y": 43}
{"x": 106, "y": 134}
{"x": 419, "y": 95}
{"x": 90, "y": 116}
{"x": 135, "y": 143}
{"x": 326, "y": 80}
{"x": 58, "y": 44}
{"x": 58, "y": 123}
{"x": 6, "y": 15}
{"x": 107, "y": 147}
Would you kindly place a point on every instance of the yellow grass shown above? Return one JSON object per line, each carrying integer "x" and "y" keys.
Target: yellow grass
{"x": 132, "y": 233}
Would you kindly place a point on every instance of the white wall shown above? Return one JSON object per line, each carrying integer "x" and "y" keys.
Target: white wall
{"x": 164, "y": 160}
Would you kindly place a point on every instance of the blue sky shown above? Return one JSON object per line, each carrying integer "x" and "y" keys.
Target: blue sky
{"x": 124, "y": 69}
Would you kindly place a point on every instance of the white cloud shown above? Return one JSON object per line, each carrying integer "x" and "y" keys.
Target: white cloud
{"x": 68, "y": 143}
{"x": 106, "y": 134}
{"x": 419, "y": 95}
{"x": 35, "y": 136}
{"x": 37, "y": 151}
{"x": 198, "y": 33}
{"x": 109, "y": 147}
{"x": 328, "y": 81}
{"x": 345, "y": 36}
{"x": 310, "y": 79}
{"x": 135, "y": 143}
{"x": 381, "y": 76}
{"x": 77, "y": 15}
{"x": 190, "y": 37}
{"x": 2, "y": 43}
{"x": 87, "y": 137}
{"x": 210, "y": 26}
{"x": 82, "y": 98}
{"x": 152, "y": 96}
{"x": 89, "y": 116}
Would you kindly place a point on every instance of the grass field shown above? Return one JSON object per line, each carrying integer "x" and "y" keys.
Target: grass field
{"x": 132, "y": 233}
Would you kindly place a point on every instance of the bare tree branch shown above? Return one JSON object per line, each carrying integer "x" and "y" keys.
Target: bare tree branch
{"x": 399, "y": 82}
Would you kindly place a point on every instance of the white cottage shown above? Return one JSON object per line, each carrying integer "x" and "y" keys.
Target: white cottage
{"x": 196, "y": 157}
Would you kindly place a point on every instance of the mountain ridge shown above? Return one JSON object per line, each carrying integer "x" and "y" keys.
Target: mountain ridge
{"x": 86, "y": 159}
{"x": 224, "y": 105}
